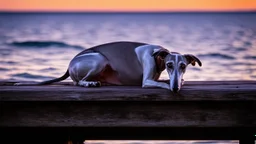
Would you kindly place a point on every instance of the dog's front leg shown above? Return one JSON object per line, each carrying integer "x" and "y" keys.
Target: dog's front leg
{"x": 149, "y": 72}
{"x": 151, "y": 83}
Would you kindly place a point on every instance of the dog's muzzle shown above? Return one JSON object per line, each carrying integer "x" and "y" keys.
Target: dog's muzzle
{"x": 175, "y": 83}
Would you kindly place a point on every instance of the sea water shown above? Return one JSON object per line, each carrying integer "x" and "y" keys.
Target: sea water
{"x": 39, "y": 46}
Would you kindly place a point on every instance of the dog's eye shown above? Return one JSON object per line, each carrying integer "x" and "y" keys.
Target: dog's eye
{"x": 182, "y": 66}
{"x": 169, "y": 65}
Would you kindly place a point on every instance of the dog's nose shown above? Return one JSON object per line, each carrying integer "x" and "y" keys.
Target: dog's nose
{"x": 175, "y": 89}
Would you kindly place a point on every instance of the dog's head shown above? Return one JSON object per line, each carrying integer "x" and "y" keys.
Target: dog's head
{"x": 176, "y": 64}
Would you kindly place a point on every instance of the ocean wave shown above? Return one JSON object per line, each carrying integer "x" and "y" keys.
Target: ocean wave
{"x": 240, "y": 49}
{"x": 5, "y": 52}
{"x": 196, "y": 69}
{"x": 237, "y": 63}
{"x": 48, "y": 69}
{"x": 8, "y": 62}
{"x": 4, "y": 69}
{"x": 250, "y": 57}
{"x": 247, "y": 43}
{"x": 217, "y": 55}
{"x": 31, "y": 76}
{"x": 44, "y": 44}
{"x": 235, "y": 49}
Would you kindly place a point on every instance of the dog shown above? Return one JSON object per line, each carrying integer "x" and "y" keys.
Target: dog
{"x": 127, "y": 63}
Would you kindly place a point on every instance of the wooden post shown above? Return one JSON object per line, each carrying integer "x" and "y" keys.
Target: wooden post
{"x": 247, "y": 140}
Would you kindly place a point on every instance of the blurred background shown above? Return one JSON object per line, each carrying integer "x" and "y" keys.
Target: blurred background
{"x": 38, "y": 38}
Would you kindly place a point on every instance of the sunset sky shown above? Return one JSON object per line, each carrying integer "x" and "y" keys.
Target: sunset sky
{"x": 126, "y": 5}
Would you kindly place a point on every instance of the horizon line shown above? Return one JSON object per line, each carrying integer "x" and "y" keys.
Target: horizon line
{"x": 113, "y": 11}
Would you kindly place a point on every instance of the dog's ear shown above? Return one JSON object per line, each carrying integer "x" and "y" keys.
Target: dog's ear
{"x": 162, "y": 53}
{"x": 191, "y": 59}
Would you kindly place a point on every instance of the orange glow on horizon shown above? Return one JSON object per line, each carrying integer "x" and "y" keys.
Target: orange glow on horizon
{"x": 128, "y": 5}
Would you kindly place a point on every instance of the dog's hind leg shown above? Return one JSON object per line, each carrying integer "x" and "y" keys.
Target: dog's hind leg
{"x": 86, "y": 83}
{"x": 84, "y": 69}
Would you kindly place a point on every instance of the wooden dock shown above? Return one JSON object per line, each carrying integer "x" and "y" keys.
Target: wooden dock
{"x": 201, "y": 110}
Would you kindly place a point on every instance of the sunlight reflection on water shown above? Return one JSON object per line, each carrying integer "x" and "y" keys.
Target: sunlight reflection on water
{"x": 160, "y": 142}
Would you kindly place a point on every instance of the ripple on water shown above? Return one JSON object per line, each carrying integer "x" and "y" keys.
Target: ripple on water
{"x": 195, "y": 69}
{"x": 250, "y": 57}
{"x": 44, "y": 44}
{"x": 5, "y": 52}
{"x": 37, "y": 60}
{"x": 3, "y": 69}
{"x": 247, "y": 44}
{"x": 241, "y": 33}
{"x": 8, "y": 62}
{"x": 217, "y": 55}
{"x": 240, "y": 48}
{"x": 238, "y": 64}
{"x": 235, "y": 49}
{"x": 31, "y": 76}
{"x": 48, "y": 69}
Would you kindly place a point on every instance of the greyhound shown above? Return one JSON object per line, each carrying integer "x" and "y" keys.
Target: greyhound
{"x": 126, "y": 63}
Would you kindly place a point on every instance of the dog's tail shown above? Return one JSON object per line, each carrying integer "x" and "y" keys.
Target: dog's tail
{"x": 66, "y": 75}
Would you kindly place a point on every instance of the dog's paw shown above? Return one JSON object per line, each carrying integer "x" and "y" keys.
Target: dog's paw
{"x": 17, "y": 84}
{"x": 182, "y": 81}
{"x": 96, "y": 84}
{"x": 89, "y": 84}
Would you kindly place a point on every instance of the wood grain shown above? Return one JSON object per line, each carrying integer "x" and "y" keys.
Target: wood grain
{"x": 197, "y": 104}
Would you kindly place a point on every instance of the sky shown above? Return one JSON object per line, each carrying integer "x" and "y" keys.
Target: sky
{"x": 127, "y": 5}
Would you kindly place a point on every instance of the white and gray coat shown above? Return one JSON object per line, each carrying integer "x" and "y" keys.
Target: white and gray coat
{"x": 127, "y": 63}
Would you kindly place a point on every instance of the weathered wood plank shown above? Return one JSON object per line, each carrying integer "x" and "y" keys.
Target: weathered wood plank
{"x": 126, "y": 113}
{"x": 199, "y": 104}
{"x": 213, "y": 91}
